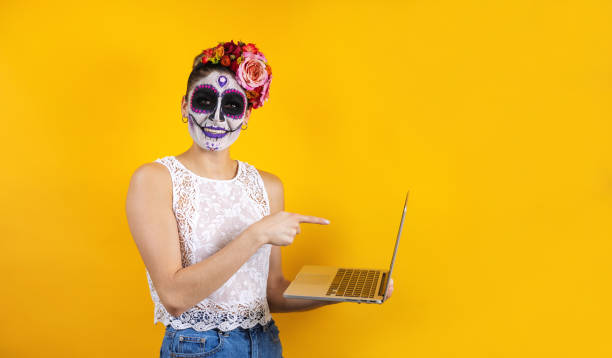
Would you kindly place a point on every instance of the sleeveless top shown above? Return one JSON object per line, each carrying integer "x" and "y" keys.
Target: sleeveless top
{"x": 210, "y": 213}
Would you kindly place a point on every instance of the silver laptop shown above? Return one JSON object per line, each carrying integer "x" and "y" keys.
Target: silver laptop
{"x": 331, "y": 283}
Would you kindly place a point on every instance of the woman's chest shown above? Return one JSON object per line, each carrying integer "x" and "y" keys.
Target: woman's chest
{"x": 222, "y": 213}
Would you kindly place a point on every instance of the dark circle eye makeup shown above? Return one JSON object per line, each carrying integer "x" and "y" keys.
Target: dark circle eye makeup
{"x": 233, "y": 103}
{"x": 205, "y": 97}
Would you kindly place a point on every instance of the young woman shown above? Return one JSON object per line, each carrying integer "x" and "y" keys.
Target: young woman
{"x": 209, "y": 228}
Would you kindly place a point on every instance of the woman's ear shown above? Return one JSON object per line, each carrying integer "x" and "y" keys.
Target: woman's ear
{"x": 184, "y": 107}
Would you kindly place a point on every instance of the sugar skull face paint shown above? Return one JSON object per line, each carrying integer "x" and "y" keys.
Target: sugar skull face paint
{"x": 216, "y": 109}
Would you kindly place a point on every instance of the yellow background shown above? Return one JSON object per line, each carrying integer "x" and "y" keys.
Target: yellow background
{"x": 495, "y": 114}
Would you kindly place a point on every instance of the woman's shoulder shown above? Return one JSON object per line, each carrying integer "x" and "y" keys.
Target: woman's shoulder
{"x": 272, "y": 183}
{"x": 151, "y": 177}
{"x": 153, "y": 174}
{"x": 269, "y": 179}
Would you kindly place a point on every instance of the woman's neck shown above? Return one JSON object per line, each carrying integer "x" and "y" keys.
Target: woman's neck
{"x": 210, "y": 164}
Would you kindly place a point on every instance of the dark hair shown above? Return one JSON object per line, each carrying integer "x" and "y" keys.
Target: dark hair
{"x": 201, "y": 70}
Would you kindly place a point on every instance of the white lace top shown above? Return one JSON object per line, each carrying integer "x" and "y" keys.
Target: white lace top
{"x": 210, "y": 213}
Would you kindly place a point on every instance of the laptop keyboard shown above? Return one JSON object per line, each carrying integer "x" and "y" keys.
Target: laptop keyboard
{"x": 354, "y": 283}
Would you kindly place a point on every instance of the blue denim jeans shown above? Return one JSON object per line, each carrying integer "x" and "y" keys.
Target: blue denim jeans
{"x": 256, "y": 342}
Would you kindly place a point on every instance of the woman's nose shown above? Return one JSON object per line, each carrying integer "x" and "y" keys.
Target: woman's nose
{"x": 214, "y": 114}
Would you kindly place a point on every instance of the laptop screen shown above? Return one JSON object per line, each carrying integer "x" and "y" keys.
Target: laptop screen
{"x": 399, "y": 234}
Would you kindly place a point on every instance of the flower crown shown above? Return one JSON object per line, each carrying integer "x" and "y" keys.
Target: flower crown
{"x": 249, "y": 65}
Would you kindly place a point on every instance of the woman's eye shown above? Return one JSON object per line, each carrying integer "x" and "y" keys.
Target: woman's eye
{"x": 233, "y": 104}
{"x": 204, "y": 99}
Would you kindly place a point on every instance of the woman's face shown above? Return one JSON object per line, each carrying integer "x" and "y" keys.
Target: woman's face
{"x": 216, "y": 108}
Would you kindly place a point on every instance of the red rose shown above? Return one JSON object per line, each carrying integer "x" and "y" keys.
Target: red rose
{"x": 234, "y": 66}
{"x": 229, "y": 47}
{"x": 250, "y": 47}
{"x": 225, "y": 60}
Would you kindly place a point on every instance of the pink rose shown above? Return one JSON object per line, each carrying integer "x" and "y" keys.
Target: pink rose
{"x": 258, "y": 55}
{"x": 265, "y": 93}
{"x": 251, "y": 72}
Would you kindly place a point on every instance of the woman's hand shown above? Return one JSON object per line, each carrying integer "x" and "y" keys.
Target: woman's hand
{"x": 389, "y": 290}
{"x": 281, "y": 227}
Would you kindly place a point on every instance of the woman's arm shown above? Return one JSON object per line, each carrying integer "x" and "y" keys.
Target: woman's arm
{"x": 277, "y": 284}
{"x": 154, "y": 229}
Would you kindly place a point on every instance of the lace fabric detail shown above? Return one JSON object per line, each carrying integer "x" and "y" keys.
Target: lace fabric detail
{"x": 210, "y": 213}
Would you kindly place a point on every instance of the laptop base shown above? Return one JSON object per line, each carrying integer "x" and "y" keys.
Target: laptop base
{"x": 317, "y": 283}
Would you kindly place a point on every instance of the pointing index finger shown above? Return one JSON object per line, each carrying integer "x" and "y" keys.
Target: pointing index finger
{"x": 312, "y": 219}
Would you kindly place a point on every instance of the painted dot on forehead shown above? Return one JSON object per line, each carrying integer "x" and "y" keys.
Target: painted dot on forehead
{"x": 222, "y": 80}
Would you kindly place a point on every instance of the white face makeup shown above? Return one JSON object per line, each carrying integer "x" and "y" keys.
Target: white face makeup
{"x": 216, "y": 108}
